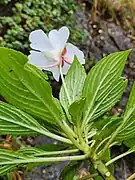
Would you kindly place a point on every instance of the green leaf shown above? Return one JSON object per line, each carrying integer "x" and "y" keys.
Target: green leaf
{"x": 74, "y": 81}
{"x": 13, "y": 121}
{"x": 31, "y": 151}
{"x": 107, "y": 157}
{"x": 6, "y": 155}
{"x": 70, "y": 171}
{"x": 92, "y": 170}
{"x": 53, "y": 147}
{"x": 130, "y": 142}
{"x": 76, "y": 110}
{"x": 130, "y": 107}
{"x": 103, "y": 86}
{"x": 11, "y": 158}
{"x": 22, "y": 87}
{"x": 108, "y": 127}
{"x": 128, "y": 129}
{"x": 36, "y": 71}
{"x": 16, "y": 122}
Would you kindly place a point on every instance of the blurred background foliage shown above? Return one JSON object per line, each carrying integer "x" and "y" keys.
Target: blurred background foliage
{"x": 19, "y": 17}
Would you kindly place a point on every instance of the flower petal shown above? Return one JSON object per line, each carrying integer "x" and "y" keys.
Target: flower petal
{"x": 38, "y": 59}
{"x": 63, "y": 34}
{"x": 65, "y": 68}
{"x": 59, "y": 38}
{"x": 39, "y": 41}
{"x": 72, "y": 51}
{"x": 56, "y": 73}
{"x": 55, "y": 40}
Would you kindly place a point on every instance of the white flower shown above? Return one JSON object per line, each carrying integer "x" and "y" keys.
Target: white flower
{"x": 49, "y": 53}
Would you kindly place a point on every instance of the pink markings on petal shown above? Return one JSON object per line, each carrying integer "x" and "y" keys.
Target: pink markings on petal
{"x": 64, "y": 58}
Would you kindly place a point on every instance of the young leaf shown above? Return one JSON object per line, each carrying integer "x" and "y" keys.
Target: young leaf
{"x": 103, "y": 86}
{"x": 76, "y": 109}
{"x": 74, "y": 81}
{"x": 23, "y": 88}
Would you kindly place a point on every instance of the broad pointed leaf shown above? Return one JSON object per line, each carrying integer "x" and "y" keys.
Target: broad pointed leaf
{"x": 25, "y": 88}
{"x": 74, "y": 81}
{"x": 103, "y": 86}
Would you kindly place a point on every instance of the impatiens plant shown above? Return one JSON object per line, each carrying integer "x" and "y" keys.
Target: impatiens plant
{"x": 79, "y": 118}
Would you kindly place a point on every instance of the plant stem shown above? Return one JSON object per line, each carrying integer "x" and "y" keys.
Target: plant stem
{"x": 88, "y": 177}
{"x": 58, "y": 152}
{"x": 69, "y": 129}
{"x": 118, "y": 157}
{"x": 64, "y": 85}
{"x": 132, "y": 177}
{"x": 99, "y": 165}
{"x": 44, "y": 160}
{"x": 54, "y": 136}
{"x": 74, "y": 141}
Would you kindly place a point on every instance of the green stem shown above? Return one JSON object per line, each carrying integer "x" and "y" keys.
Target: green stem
{"x": 118, "y": 157}
{"x": 44, "y": 160}
{"x": 64, "y": 85}
{"x": 82, "y": 141}
{"x": 54, "y": 136}
{"x": 103, "y": 170}
{"x": 69, "y": 129}
{"x": 58, "y": 152}
{"x": 74, "y": 141}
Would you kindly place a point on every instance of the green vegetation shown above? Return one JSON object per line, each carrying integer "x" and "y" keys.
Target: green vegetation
{"x": 26, "y": 16}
